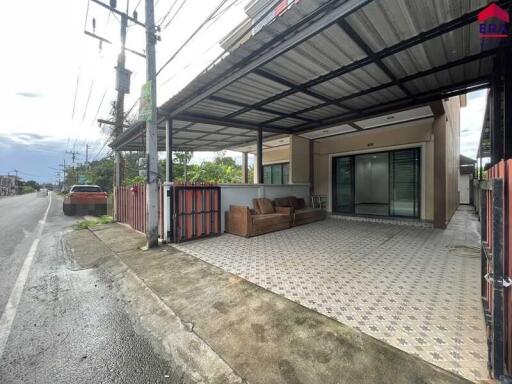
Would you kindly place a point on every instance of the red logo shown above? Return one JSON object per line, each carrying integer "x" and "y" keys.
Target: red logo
{"x": 494, "y": 22}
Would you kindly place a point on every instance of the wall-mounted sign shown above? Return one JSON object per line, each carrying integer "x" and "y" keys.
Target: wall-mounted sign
{"x": 146, "y": 103}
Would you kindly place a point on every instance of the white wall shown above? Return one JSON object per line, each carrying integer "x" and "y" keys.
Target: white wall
{"x": 242, "y": 194}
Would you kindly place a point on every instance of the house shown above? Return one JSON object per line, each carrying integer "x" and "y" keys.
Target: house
{"x": 358, "y": 102}
{"x": 9, "y": 185}
{"x": 466, "y": 176}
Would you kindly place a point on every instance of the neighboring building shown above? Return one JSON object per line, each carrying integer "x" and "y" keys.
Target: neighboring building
{"x": 466, "y": 176}
{"x": 259, "y": 13}
{"x": 10, "y": 185}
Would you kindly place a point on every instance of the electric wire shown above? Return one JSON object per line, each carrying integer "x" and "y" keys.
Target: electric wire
{"x": 192, "y": 35}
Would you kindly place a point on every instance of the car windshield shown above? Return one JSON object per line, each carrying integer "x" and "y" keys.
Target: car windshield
{"x": 85, "y": 188}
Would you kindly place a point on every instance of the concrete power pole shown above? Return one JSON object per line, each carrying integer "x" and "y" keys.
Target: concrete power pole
{"x": 151, "y": 131}
{"x": 86, "y": 154}
{"x": 118, "y": 129}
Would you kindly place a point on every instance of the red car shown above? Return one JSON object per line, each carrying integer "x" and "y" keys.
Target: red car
{"x": 85, "y": 199}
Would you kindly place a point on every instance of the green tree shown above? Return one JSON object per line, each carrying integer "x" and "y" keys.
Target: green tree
{"x": 32, "y": 184}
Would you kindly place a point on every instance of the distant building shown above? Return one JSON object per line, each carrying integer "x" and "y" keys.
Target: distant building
{"x": 466, "y": 174}
{"x": 10, "y": 185}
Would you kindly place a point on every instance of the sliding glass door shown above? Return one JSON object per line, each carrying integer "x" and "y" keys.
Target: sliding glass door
{"x": 382, "y": 183}
{"x": 343, "y": 185}
{"x": 405, "y": 180}
{"x": 372, "y": 179}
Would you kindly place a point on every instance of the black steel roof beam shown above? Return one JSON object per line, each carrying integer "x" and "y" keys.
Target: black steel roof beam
{"x": 296, "y": 88}
{"x": 215, "y": 120}
{"x": 347, "y": 28}
{"x": 415, "y": 76}
{"x": 402, "y": 103}
{"x": 251, "y": 107}
{"x": 386, "y": 52}
{"x": 289, "y": 39}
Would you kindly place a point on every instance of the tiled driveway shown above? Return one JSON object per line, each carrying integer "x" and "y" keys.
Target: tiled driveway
{"x": 415, "y": 288}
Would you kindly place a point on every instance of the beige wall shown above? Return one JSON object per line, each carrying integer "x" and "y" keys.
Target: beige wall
{"x": 299, "y": 159}
{"x": 375, "y": 140}
{"x": 276, "y": 155}
{"x": 451, "y": 155}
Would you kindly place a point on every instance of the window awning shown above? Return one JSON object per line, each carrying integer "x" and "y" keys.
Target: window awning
{"x": 329, "y": 64}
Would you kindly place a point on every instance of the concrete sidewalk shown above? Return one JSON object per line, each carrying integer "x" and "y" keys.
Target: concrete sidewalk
{"x": 218, "y": 328}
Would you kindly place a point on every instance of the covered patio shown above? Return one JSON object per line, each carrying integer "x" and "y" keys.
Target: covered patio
{"x": 415, "y": 288}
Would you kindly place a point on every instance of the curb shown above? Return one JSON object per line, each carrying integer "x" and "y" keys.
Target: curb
{"x": 194, "y": 360}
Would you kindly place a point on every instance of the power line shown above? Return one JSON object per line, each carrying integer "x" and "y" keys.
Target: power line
{"x": 173, "y": 16}
{"x": 193, "y": 35}
{"x": 76, "y": 93}
{"x": 88, "y": 98}
{"x": 167, "y": 13}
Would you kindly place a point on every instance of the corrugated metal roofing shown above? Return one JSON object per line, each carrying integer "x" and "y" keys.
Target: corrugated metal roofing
{"x": 325, "y": 63}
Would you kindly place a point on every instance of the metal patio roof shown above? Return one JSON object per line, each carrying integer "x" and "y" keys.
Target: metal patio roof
{"x": 329, "y": 64}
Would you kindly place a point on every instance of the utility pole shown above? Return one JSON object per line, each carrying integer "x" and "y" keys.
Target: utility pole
{"x": 118, "y": 129}
{"x": 63, "y": 165}
{"x": 122, "y": 83}
{"x": 87, "y": 154}
{"x": 151, "y": 131}
{"x": 74, "y": 154}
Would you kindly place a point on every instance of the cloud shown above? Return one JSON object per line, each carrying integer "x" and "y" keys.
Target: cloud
{"x": 472, "y": 117}
{"x": 30, "y": 94}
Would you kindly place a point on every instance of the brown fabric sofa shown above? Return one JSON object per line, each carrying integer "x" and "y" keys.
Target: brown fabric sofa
{"x": 300, "y": 214}
{"x": 246, "y": 222}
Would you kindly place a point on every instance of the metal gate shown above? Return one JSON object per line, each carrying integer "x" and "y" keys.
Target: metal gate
{"x": 497, "y": 266}
{"x": 195, "y": 211}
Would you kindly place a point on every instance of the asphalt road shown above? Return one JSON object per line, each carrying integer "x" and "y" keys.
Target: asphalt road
{"x": 59, "y": 325}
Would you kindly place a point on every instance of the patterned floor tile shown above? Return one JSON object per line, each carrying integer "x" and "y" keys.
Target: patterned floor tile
{"x": 414, "y": 287}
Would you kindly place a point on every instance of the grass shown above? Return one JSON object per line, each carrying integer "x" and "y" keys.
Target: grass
{"x": 105, "y": 219}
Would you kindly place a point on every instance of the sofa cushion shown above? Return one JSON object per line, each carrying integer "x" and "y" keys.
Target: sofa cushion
{"x": 265, "y": 206}
{"x": 282, "y": 202}
{"x": 293, "y": 201}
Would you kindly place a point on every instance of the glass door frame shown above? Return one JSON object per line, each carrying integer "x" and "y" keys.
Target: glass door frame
{"x": 418, "y": 175}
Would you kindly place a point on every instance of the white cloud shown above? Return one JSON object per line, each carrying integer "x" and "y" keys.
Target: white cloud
{"x": 471, "y": 122}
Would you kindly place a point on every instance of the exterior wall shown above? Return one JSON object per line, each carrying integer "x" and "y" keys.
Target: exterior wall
{"x": 447, "y": 155}
{"x": 276, "y": 155}
{"x": 299, "y": 159}
{"x": 452, "y": 107}
{"x": 399, "y": 136}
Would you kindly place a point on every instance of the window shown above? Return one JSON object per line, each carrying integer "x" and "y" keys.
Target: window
{"x": 85, "y": 188}
{"x": 276, "y": 173}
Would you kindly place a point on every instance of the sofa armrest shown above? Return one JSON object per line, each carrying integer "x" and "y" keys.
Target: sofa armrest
{"x": 240, "y": 222}
{"x": 286, "y": 210}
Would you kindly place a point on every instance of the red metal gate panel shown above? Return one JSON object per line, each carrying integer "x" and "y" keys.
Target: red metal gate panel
{"x": 196, "y": 211}
{"x": 496, "y": 231}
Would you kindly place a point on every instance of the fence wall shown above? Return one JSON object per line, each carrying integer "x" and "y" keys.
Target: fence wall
{"x": 131, "y": 207}
{"x": 496, "y": 232}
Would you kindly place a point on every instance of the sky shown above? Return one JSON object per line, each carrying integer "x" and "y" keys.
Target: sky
{"x": 56, "y": 81}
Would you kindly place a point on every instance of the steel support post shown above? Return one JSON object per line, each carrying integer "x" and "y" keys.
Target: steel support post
{"x": 259, "y": 156}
